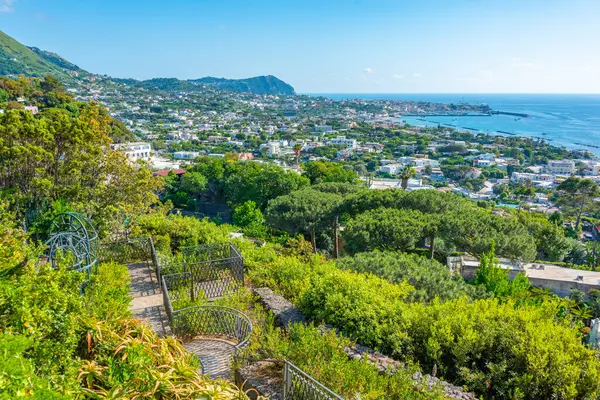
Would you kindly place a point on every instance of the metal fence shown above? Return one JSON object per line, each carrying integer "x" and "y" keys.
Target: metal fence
{"x": 298, "y": 385}
{"x": 130, "y": 251}
{"x": 208, "y": 271}
{"x": 210, "y": 320}
{"x": 205, "y": 252}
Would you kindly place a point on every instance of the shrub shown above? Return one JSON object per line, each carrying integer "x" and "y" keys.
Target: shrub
{"x": 429, "y": 278}
{"x": 177, "y": 231}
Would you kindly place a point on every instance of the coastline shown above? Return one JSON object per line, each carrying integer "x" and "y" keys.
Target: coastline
{"x": 563, "y": 120}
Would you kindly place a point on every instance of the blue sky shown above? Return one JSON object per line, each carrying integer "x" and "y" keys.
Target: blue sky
{"x": 328, "y": 46}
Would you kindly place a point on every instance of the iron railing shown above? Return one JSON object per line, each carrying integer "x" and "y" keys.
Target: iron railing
{"x": 129, "y": 251}
{"x": 298, "y": 385}
{"x": 206, "y": 252}
{"x": 210, "y": 320}
{"x": 211, "y": 271}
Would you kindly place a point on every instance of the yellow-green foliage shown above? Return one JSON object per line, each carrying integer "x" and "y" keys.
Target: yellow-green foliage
{"x": 322, "y": 355}
{"x": 497, "y": 349}
{"x": 108, "y": 295}
{"x": 59, "y": 343}
{"x": 361, "y": 305}
{"x": 125, "y": 359}
{"x": 177, "y": 231}
{"x": 502, "y": 349}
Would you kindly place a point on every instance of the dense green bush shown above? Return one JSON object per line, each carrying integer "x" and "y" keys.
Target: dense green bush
{"x": 384, "y": 229}
{"x": 17, "y": 371}
{"x": 322, "y": 355}
{"x": 174, "y": 231}
{"x": 58, "y": 342}
{"x": 362, "y": 306}
{"x": 444, "y": 215}
{"x": 498, "y": 350}
{"x": 429, "y": 278}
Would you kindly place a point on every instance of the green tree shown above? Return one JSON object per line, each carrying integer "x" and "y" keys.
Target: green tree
{"x": 259, "y": 183}
{"x": 496, "y": 279}
{"x": 385, "y": 229}
{"x": 577, "y": 196}
{"x": 430, "y": 278}
{"x": 405, "y": 174}
{"x": 324, "y": 171}
{"x": 297, "y": 149}
{"x": 305, "y": 211}
{"x": 249, "y": 217}
{"x": 550, "y": 239}
{"x": 193, "y": 182}
{"x": 523, "y": 193}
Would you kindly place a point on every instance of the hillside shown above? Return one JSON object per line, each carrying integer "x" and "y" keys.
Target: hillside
{"x": 257, "y": 85}
{"x": 16, "y": 59}
{"x": 57, "y": 60}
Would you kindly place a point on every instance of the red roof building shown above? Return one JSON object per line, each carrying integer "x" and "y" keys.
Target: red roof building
{"x": 165, "y": 172}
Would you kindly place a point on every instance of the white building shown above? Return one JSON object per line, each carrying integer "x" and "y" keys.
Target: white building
{"x": 186, "y": 155}
{"x": 273, "y": 148}
{"x": 525, "y": 176}
{"x": 561, "y": 167}
{"x": 134, "y": 150}
{"x": 323, "y": 128}
{"x": 342, "y": 141}
{"x": 418, "y": 162}
{"x": 382, "y": 184}
{"x": 32, "y": 109}
{"x": 593, "y": 168}
{"x": 487, "y": 156}
{"x": 483, "y": 163}
{"x": 391, "y": 169}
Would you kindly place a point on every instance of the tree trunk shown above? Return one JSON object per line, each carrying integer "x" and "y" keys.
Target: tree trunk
{"x": 336, "y": 239}
{"x": 432, "y": 246}
{"x": 313, "y": 240}
{"x": 579, "y": 212}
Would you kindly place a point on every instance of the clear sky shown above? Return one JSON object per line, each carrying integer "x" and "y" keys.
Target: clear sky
{"x": 328, "y": 46}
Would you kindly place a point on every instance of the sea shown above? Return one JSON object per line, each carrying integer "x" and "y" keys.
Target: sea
{"x": 567, "y": 120}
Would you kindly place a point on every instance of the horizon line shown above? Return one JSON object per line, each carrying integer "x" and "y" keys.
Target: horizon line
{"x": 462, "y": 93}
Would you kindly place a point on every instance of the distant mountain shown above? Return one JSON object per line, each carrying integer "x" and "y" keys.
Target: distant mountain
{"x": 16, "y": 59}
{"x": 257, "y": 85}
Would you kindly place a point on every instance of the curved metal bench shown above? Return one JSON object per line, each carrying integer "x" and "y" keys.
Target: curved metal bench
{"x": 213, "y": 333}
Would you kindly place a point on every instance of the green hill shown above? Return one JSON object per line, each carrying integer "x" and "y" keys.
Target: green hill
{"x": 257, "y": 85}
{"x": 16, "y": 59}
{"x": 57, "y": 60}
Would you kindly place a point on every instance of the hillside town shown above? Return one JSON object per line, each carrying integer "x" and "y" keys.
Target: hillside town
{"x": 172, "y": 129}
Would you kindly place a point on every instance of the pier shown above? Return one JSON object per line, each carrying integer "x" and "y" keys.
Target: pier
{"x": 514, "y": 114}
{"x": 492, "y": 112}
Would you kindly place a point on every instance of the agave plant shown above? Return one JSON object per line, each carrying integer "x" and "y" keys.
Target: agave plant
{"x": 127, "y": 360}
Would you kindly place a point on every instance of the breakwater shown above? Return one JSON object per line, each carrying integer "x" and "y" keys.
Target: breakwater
{"x": 492, "y": 112}
{"x": 514, "y": 114}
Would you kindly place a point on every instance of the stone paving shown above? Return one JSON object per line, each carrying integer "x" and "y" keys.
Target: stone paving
{"x": 216, "y": 356}
{"x": 147, "y": 305}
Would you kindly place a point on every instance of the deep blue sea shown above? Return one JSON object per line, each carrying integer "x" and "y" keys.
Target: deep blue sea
{"x": 570, "y": 120}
